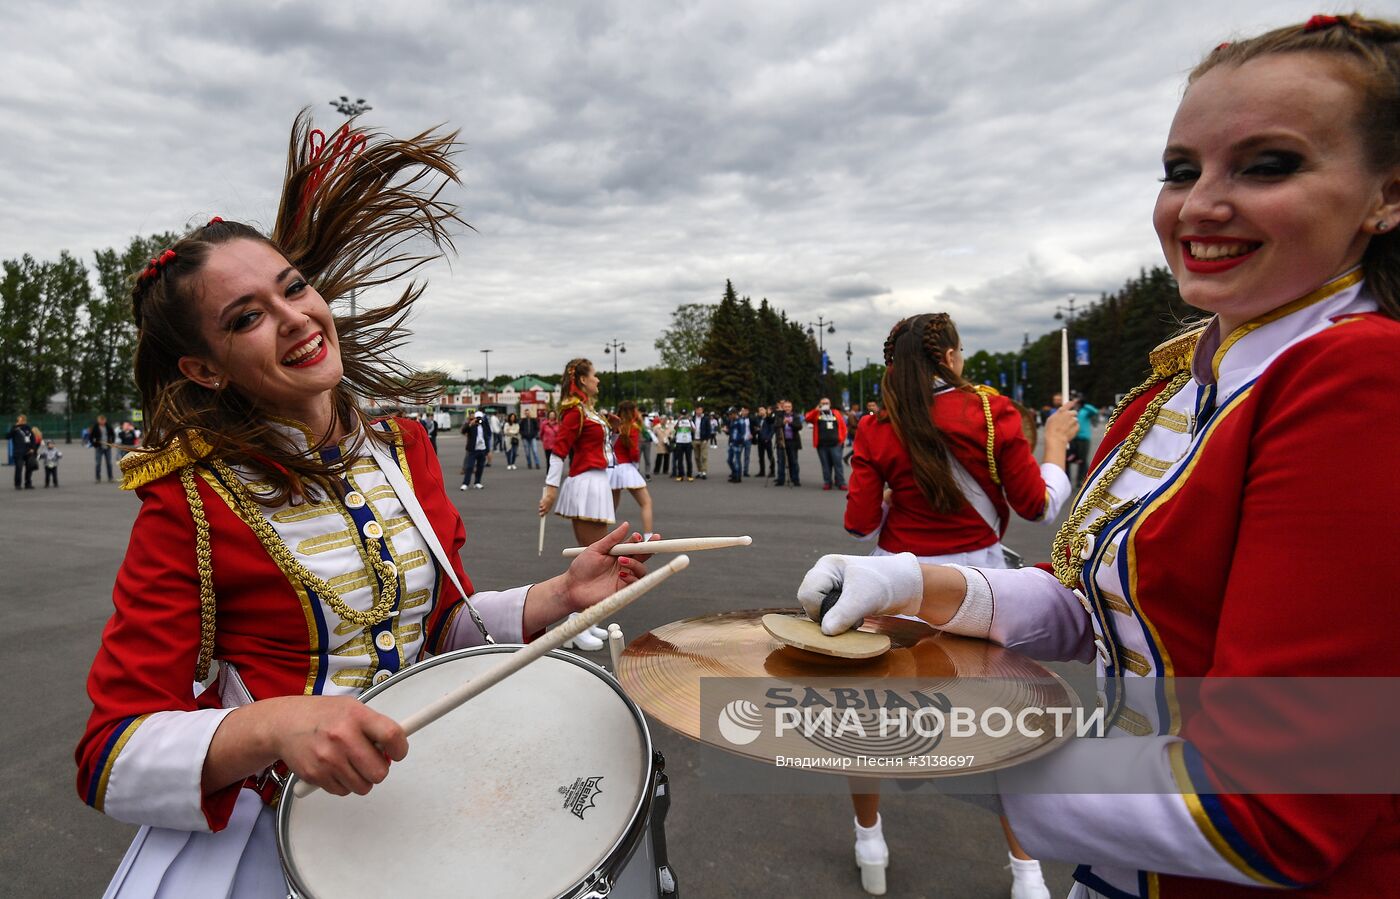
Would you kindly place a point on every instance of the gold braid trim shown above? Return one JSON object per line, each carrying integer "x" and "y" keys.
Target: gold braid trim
{"x": 205, "y": 566}
{"x": 248, "y": 510}
{"x": 1070, "y": 542}
{"x": 142, "y": 467}
{"x": 1173, "y": 355}
{"x": 985, "y": 394}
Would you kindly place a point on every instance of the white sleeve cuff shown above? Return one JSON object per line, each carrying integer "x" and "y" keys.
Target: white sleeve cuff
{"x": 502, "y": 611}
{"x": 1057, "y": 490}
{"x": 556, "y": 471}
{"x": 974, "y": 617}
{"x": 158, "y": 777}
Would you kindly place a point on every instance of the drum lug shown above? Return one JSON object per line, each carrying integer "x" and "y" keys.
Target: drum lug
{"x": 661, "y": 804}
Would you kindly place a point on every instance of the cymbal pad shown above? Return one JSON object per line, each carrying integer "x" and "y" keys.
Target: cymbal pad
{"x": 804, "y": 633}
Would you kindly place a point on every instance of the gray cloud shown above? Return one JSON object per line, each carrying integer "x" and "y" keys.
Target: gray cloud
{"x": 861, "y": 162}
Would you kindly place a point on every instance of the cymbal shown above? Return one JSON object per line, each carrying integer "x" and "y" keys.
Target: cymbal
{"x": 723, "y": 680}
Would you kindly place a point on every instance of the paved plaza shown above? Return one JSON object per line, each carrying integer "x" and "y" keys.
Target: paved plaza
{"x": 62, "y": 549}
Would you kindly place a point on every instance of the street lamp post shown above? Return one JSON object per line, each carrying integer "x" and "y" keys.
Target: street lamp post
{"x": 486, "y": 354}
{"x": 351, "y": 108}
{"x": 848, "y": 371}
{"x": 822, "y": 327}
{"x": 615, "y": 348}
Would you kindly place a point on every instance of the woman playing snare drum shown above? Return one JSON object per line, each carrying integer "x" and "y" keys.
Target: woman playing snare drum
{"x": 309, "y": 551}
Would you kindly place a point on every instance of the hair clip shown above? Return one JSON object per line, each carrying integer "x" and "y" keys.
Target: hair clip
{"x": 1322, "y": 23}
{"x": 154, "y": 267}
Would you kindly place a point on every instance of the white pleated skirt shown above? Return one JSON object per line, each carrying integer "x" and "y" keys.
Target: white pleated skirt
{"x": 625, "y": 476}
{"x": 587, "y": 496}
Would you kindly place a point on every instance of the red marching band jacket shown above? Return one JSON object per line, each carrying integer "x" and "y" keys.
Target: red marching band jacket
{"x": 142, "y": 753}
{"x": 913, "y": 525}
{"x": 1251, "y": 534}
{"x": 582, "y": 439}
{"x": 628, "y": 446}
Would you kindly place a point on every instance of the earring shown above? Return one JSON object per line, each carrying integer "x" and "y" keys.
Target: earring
{"x": 216, "y": 384}
{"x": 1382, "y": 225}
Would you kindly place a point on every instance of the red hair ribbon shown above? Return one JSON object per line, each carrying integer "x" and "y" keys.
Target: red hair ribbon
{"x": 1322, "y": 23}
{"x": 1219, "y": 47}
{"x": 214, "y": 221}
{"x": 341, "y": 151}
{"x": 154, "y": 267}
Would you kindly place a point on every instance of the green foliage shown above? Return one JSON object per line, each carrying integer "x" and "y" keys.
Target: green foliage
{"x": 1122, "y": 329}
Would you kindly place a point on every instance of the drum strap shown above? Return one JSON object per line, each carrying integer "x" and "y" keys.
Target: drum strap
{"x": 390, "y": 466}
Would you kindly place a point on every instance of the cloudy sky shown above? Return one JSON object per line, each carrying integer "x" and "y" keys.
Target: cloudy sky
{"x": 860, "y": 161}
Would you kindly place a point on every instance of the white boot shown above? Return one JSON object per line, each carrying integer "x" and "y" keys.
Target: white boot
{"x": 585, "y": 641}
{"x": 1027, "y": 881}
{"x": 872, "y": 857}
{"x": 600, "y": 632}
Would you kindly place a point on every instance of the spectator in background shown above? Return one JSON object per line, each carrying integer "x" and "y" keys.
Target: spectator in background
{"x": 530, "y": 437}
{"x": 763, "y": 439}
{"x": 661, "y": 429}
{"x": 548, "y": 429}
{"x": 787, "y": 440}
{"x": 685, "y": 444}
{"x": 23, "y": 450}
{"x": 493, "y": 434}
{"x": 430, "y": 425}
{"x": 478, "y": 447}
{"x": 1056, "y": 401}
{"x": 750, "y": 427}
{"x": 704, "y": 433}
{"x": 1079, "y": 446}
{"x": 829, "y": 435}
{"x": 510, "y": 435}
{"x": 102, "y": 435}
{"x": 738, "y": 428}
{"x": 127, "y": 437}
{"x": 48, "y": 457}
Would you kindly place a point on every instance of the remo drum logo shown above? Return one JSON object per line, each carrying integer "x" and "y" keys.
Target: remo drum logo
{"x": 580, "y": 797}
{"x": 740, "y": 722}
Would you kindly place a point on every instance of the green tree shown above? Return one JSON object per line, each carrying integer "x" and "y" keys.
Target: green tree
{"x": 726, "y": 374}
{"x": 682, "y": 345}
{"x": 109, "y": 344}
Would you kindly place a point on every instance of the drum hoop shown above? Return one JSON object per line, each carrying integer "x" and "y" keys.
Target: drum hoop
{"x": 622, "y": 849}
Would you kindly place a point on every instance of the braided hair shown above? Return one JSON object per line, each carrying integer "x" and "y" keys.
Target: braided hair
{"x": 916, "y": 352}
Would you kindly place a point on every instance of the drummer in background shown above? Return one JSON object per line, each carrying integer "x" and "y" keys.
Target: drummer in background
{"x": 627, "y": 474}
{"x": 937, "y": 474}
{"x": 1239, "y": 495}
{"x": 272, "y": 538}
{"x": 585, "y": 439}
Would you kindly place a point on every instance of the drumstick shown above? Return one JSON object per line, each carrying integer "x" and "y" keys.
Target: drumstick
{"x": 543, "y": 519}
{"x": 551, "y": 640}
{"x": 678, "y": 545}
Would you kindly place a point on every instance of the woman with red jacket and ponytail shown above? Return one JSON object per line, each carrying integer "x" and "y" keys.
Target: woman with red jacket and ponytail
{"x": 626, "y": 475}
{"x": 937, "y": 474}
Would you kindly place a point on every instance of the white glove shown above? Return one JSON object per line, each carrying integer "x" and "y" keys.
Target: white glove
{"x": 870, "y": 585}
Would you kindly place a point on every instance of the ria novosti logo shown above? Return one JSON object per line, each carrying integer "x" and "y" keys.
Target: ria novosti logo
{"x": 740, "y": 722}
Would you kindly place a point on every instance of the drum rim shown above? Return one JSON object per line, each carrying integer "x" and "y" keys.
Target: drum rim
{"x": 622, "y": 849}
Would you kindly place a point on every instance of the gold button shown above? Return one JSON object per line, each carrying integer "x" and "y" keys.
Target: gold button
{"x": 381, "y": 677}
{"x": 355, "y": 499}
{"x": 385, "y": 640}
{"x": 372, "y": 530}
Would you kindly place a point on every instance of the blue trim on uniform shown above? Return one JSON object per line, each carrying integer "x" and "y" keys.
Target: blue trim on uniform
{"x": 1195, "y": 767}
{"x": 1085, "y": 875}
{"x": 386, "y": 660}
{"x": 105, "y": 756}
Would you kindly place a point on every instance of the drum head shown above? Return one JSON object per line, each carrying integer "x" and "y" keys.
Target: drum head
{"x": 524, "y": 791}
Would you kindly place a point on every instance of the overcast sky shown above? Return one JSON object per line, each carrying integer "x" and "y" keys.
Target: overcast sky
{"x": 860, "y": 161}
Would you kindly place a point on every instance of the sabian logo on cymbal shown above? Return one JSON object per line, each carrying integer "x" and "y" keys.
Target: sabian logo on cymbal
{"x": 582, "y": 795}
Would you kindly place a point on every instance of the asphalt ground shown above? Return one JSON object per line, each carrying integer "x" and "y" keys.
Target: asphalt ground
{"x": 61, "y": 550}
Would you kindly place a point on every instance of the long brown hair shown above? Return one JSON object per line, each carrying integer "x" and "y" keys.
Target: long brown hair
{"x": 914, "y": 357}
{"x": 629, "y": 423}
{"x": 1372, "y": 46}
{"x": 344, "y": 220}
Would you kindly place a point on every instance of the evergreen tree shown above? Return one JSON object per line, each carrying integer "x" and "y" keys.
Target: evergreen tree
{"x": 726, "y": 374}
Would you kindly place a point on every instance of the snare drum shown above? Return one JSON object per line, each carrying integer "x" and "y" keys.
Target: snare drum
{"x": 545, "y": 785}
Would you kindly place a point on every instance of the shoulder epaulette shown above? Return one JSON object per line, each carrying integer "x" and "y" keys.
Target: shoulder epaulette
{"x": 986, "y": 390}
{"x": 1173, "y": 356}
{"x": 142, "y": 467}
